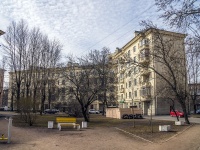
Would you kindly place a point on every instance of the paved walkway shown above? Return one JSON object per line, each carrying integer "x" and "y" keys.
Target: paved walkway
{"x": 92, "y": 138}
{"x": 167, "y": 117}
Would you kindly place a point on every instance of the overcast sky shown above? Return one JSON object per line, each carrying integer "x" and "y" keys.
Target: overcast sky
{"x": 81, "y": 25}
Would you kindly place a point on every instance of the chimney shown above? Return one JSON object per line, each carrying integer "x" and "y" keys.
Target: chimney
{"x": 136, "y": 33}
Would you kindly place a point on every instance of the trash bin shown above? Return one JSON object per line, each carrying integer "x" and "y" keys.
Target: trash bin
{"x": 84, "y": 124}
{"x": 50, "y": 124}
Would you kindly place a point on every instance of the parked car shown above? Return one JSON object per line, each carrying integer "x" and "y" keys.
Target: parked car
{"x": 50, "y": 111}
{"x": 93, "y": 111}
{"x": 179, "y": 113}
{"x": 198, "y": 111}
{"x": 5, "y": 108}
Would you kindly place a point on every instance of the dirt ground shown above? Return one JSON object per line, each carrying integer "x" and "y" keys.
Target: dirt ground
{"x": 100, "y": 138}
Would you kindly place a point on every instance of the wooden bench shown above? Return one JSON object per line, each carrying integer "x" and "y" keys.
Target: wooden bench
{"x": 65, "y": 122}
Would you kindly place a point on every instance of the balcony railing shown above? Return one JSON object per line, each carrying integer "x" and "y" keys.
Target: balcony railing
{"x": 144, "y": 59}
{"x": 121, "y": 80}
{"x": 145, "y": 83}
{"x": 144, "y": 46}
{"x": 144, "y": 71}
{"x": 145, "y": 94}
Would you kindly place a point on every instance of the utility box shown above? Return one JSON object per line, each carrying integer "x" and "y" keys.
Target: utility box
{"x": 50, "y": 124}
{"x": 164, "y": 127}
{"x": 119, "y": 112}
{"x": 179, "y": 123}
{"x": 84, "y": 124}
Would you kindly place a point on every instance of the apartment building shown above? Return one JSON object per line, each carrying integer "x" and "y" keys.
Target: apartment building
{"x": 50, "y": 83}
{"x": 134, "y": 65}
{"x": 194, "y": 96}
{"x": 57, "y": 85}
{"x": 138, "y": 84}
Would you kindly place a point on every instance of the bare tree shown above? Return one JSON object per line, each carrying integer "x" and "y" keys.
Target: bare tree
{"x": 15, "y": 46}
{"x": 50, "y": 55}
{"x": 183, "y": 14}
{"x": 103, "y": 66}
{"x": 31, "y": 55}
{"x": 2, "y": 71}
{"x": 84, "y": 85}
{"x": 193, "y": 69}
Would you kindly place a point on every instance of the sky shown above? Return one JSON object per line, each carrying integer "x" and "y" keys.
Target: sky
{"x": 82, "y": 25}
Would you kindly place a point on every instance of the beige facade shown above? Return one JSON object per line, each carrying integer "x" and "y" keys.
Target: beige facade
{"x": 138, "y": 84}
{"x": 56, "y": 84}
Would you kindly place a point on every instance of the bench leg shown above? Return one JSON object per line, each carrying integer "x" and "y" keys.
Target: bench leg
{"x": 78, "y": 127}
{"x": 59, "y": 128}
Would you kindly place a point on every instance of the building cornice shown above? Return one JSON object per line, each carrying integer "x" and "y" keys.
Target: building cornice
{"x": 145, "y": 33}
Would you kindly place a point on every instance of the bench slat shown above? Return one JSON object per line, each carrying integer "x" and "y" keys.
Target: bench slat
{"x": 64, "y": 119}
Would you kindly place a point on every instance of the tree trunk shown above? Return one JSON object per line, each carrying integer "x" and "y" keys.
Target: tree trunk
{"x": 194, "y": 106}
{"x": 34, "y": 100}
{"x": 185, "y": 113}
{"x": 85, "y": 114}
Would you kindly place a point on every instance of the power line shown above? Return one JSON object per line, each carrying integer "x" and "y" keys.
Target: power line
{"x": 120, "y": 27}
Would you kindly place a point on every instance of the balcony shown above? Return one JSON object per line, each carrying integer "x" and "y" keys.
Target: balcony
{"x": 146, "y": 84}
{"x": 122, "y": 90}
{"x": 145, "y": 93}
{"x": 144, "y": 46}
{"x": 145, "y": 72}
{"x": 144, "y": 56}
{"x": 144, "y": 59}
{"x": 146, "y": 99}
{"x": 122, "y": 70}
{"x": 121, "y": 80}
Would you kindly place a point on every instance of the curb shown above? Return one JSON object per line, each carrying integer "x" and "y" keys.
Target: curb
{"x": 133, "y": 135}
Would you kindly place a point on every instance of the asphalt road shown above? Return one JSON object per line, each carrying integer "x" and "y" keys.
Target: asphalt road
{"x": 167, "y": 117}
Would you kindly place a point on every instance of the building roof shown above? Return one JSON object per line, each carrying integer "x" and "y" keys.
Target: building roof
{"x": 139, "y": 34}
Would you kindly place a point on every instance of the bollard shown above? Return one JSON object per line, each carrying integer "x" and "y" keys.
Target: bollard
{"x": 9, "y": 129}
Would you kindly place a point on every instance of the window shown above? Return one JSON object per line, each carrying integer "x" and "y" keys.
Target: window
{"x": 63, "y": 90}
{"x": 129, "y": 53}
{"x": 135, "y": 93}
{"x": 126, "y": 95}
{"x": 135, "y": 81}
{"x": 63, "y": 82}
{"x": 58, "y": 82}
{"x": 122, "y": 96}
{"x": 144, "y": 42}
{"x": 129, "y": 73}
{"x": 129, "y": 94}
{"x": 134, "y": 70}
{"x": 134, "y": 48}
{"x": 126, "y": 84}
{"x": 129, "y": 83}
{"x": 134, "y": 59}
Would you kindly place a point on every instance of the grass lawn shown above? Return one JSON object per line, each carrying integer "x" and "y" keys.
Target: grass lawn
{"x": 142, "y": 126}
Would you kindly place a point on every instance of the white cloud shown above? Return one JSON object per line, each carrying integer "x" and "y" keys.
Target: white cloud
{"x": 80, "y": 24}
